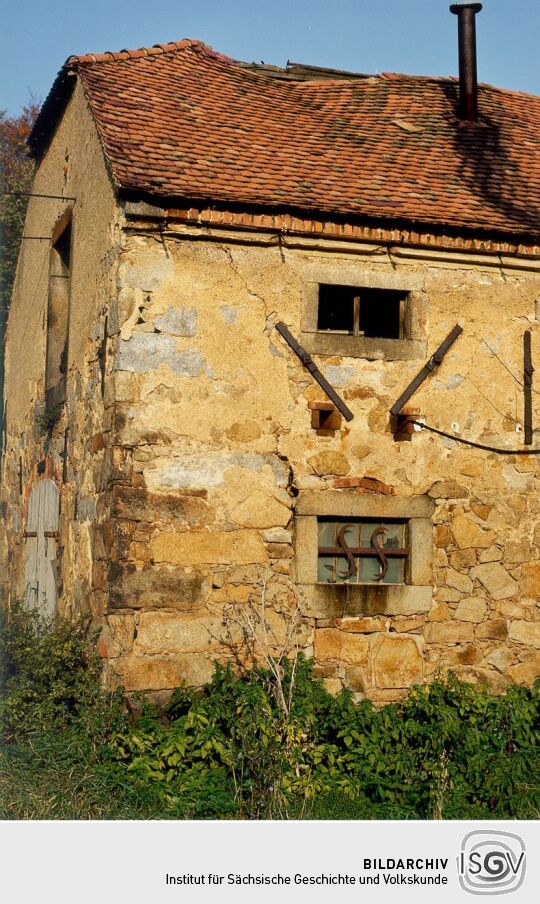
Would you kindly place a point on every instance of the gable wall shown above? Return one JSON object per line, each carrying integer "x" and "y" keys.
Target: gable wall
{"x": 72, "y": 166}
{"x": 222, "y": 469}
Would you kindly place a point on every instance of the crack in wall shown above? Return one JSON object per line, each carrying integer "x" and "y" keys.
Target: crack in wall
{"x": 228, "y": 254}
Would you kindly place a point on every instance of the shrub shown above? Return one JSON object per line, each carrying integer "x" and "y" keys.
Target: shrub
{"x": 447, "y": 750}
{"x": 49, "y": 677}
{"x": 55, "y": 720}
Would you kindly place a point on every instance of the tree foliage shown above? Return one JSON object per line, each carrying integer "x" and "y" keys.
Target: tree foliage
{"x": 16, "y": 172}
{"x": 17, "y": 169}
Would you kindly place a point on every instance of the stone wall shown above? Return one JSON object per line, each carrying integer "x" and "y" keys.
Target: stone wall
{"x": 77, "y": 455}
{"x": 211, "y": 430}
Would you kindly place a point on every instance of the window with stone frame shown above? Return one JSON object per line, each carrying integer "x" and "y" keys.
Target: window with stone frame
{"x": 363, "y": 554}
{"x": 362, "y": 551}
{"x": 364, "y": 314}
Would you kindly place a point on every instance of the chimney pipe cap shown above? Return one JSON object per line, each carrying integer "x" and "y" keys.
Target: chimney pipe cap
{"x": 457, "y": 7}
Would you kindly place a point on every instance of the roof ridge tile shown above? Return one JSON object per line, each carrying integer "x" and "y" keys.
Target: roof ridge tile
{"x": 119, "y": 56}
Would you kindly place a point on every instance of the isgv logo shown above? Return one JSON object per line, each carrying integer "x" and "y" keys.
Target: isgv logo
{"x": 491, "y": 862}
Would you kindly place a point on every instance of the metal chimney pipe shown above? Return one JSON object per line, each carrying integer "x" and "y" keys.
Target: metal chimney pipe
{"x": 468, "y": 86}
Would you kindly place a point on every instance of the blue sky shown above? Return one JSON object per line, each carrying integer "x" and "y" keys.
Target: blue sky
{"x": 414, "y": 36}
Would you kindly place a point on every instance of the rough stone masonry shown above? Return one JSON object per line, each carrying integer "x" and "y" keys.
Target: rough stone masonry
{"x": 222, "y": 469}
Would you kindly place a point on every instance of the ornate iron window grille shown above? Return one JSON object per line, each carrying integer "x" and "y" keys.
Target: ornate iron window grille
{"x": 384, "y": 547}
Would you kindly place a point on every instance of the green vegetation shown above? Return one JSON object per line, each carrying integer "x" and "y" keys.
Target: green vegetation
{"x": 16, "y": 172}
{"x": 55, "y": 722}
{"x": 448, "y": 750}
{"x": 48, "y": 419}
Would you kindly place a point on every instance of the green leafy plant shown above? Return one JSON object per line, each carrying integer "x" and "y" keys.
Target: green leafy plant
{"x": 448, "y": 750}
{"x": 47, "y": 419}
{"x": 50, "y": 677}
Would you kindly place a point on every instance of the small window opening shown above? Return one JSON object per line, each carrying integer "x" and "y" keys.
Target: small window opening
{"x": 57, "y": 318}
{"x": 325, "y": 418}
{"x": 401, "y": 428}
{"x": 102, "y": 355}
{"x": 366, "y": 551}
{"x": 356, "y": 311}
{"x": 401, "y": 425}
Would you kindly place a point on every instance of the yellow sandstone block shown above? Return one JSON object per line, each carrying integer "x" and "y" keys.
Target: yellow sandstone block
{"x": 238, "y": 547}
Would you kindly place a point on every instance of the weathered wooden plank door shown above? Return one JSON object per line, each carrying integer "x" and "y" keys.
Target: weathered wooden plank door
{"x": 41, "y": 546}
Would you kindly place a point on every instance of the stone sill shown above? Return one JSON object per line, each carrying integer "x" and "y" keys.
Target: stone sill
{"x": 361, "y": 347}
{"x": 341, "y": 600}
{"x": 360, "y": 584}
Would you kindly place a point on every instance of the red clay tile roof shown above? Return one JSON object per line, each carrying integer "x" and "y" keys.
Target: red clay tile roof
{"x": 182, "y": 121}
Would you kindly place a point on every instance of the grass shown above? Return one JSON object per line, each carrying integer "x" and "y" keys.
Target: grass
{"x": 51, "y": 776}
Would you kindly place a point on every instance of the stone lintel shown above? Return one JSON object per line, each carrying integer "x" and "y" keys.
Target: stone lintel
{"x": 353, "y": 505}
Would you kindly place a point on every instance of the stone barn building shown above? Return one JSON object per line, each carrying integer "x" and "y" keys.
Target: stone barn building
{"x": 169, "y": 450}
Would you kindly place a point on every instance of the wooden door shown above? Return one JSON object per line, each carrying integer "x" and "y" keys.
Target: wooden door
{"x": 41, "y": 538}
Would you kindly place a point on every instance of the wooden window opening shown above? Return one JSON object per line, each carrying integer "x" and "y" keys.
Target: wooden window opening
{"x": 362, "y": 312}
